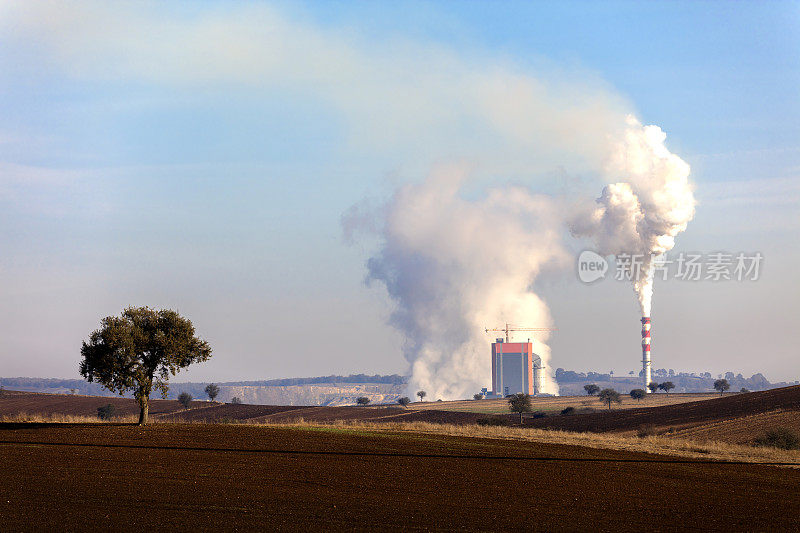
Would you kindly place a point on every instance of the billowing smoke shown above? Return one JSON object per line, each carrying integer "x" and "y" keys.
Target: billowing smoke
{"x": 454, "y": 266}
{"x": 640, "y": 214}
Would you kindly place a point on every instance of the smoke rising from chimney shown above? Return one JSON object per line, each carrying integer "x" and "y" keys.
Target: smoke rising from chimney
{"x": 644, "y": 212}
{"x": 452, "y": 265}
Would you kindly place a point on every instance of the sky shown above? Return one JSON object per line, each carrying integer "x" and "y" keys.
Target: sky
{"x": 206, "y": 157}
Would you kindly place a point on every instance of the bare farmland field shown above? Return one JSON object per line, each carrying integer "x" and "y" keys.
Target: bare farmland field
{"x": 206, "y": 476}
{"x": 555, "y": 404}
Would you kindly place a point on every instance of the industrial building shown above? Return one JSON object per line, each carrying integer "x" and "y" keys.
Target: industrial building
{"x": 515, "y": 369}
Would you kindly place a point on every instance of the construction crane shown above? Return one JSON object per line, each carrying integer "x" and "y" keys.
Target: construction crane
{"x": 509, "y": 328}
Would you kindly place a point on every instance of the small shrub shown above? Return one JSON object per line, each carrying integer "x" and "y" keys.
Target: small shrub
{"x": 744, "y": 390}
{"x": 493, "y": 421}
{"x": 404, "y": 401}
{"x": 185, "y": 399}
{"x": 106, "y": 412}
{"x": 362, "y": 400}
{"x": 236, "y": 400}
{"x": 782, "y": 438}
{"x": 478, "y": 396}
{"x": 568, "y": 411}
{"x": 637, "y": 394}
{"x": 646, "y": 430}
{"x": 539, "y": 414}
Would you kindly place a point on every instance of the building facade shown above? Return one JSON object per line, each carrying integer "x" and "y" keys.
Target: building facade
{"x": 515, "y": 368}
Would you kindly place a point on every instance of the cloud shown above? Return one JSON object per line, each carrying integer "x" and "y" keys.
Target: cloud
{"x": 416, "y": 101}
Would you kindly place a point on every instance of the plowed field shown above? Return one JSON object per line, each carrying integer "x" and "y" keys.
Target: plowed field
{"x": 232, "y": 477}
{"x": 682, "y": 417}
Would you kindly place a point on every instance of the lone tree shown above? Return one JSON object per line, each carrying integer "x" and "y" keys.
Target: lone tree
{"x": 362, "y": 400}
{"x": 637, "y": 394}
{"x": 609, "y": 395}
{"x": 478, "y": 396}
{"x": 721, "y": 385}
{"x": 653, "y": 386}
{"x": 519, "y": 403}
{"x": 139, "y": 350}
{"x": 421, "y": 395}
{"x": 404, "y": 401}
{"x": 592, "y": 389}
{"x": 236, "y": 400}
{"x": 212, "y": 391}
{"x": 666, "y": 386}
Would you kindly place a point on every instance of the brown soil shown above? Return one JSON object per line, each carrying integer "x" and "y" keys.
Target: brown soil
{"x": 735, "y": 418}
{"x": 681, "y": 416}
{"x": 554, "y": 404}
{"x": 278, "y": 414}
{"x": 231, "y": 477}
{"x": 742, "y": 430}
{"x": 14, "y": 402}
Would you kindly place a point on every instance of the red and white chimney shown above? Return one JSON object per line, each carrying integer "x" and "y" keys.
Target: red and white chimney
{"x": 646, "y": 352}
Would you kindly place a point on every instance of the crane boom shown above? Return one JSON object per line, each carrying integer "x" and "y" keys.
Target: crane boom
{"x": 509, "y": 328}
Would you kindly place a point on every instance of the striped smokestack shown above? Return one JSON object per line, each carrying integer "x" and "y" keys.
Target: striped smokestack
{"x": 646, "y": 352}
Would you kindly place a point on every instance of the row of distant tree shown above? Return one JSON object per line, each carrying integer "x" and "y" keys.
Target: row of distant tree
{"x": 682, "y": 381}
{"x": 79, "y": 386}
{"x": 720, "y": 385}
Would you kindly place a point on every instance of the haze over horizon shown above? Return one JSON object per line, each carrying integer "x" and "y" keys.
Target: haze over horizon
{"x": 205, "y": 157}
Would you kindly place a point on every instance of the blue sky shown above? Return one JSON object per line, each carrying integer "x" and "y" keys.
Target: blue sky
{"x": 200, "y": 156}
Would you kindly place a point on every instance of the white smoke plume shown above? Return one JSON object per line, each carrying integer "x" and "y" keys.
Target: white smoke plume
{"x": 455, "y": 266}
{"x": 644, "y": 211}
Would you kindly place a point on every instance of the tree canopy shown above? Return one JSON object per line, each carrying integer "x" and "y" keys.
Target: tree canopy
{"x": 212, "y": 391}
{"x": 591, "y": 389}
{"x": 519, "y": 403}
{"x": 185, "y": 399}
{"x": 139, "y": 350}
{"x": 722, "y": 385}
{"x": 609, "y": 395}
{"x": 666, "y": 386}
{"x": 637, "y": 394}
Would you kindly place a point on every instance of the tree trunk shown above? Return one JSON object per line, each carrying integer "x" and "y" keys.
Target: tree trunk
{"x": 144, "y": 404}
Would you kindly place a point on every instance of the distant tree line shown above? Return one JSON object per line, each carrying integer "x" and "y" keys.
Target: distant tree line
{"x": 65, "y": 386}
{"x": 393, "y": 379}
{"x": 694, "y": 382}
